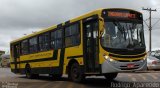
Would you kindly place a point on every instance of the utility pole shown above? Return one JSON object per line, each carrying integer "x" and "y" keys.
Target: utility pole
{"x": 150, "y": 26}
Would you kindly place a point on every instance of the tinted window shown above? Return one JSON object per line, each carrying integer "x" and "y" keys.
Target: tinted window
{"x": 72, "y": 35}
{"x": 44, "y": 42}
{"x": 24, "y": 47}
{"x": 56, "y": 39}
{"x": 33, "y": 45}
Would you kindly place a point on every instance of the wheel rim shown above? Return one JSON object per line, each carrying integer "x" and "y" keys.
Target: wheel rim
{"x": 28, "y": 72}
{"x": 75, "y": 73}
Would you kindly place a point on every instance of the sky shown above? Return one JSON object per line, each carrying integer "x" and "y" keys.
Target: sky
{"x": 20, "y": 17}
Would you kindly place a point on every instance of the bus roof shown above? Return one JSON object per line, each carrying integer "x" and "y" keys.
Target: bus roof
{"x": 98, "y": 12}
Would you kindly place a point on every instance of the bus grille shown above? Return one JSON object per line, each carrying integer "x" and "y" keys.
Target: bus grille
{"x": 128, "y": 60}
{"x": 126, "y": 68}
{"x": 127, "y": 56}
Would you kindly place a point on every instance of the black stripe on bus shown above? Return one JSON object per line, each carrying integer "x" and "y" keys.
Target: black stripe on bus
{"x": 59, "y": 25}
{"x": 61, "y": 60}
{"x": 127, "y": 56}
{"x": 71, "y": 57}
{"x": 55, "y": 54}
{"x": 67, "y": 23}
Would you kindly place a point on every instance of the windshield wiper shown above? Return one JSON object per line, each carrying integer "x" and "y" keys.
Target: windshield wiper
{"x": 122, "y": 30}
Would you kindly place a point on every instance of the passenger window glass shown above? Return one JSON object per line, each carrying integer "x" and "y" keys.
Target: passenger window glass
{"x": 33, "y": 45}
{"x": 24, "y": 47}
{"x": 72, "y": 35}
{"x": 44, "y": 42}
{"x": 56, "y": 39}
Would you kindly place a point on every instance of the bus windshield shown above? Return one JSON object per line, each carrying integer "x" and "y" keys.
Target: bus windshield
{"x": 123, "y": 34}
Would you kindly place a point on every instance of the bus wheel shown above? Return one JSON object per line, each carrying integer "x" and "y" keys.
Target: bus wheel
{"x": 111, "y": 76}
{"x": 75, "y": 73}
{"x": 28, "y": 72}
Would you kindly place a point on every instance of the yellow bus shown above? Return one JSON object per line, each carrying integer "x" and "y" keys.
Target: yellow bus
{"x": 101, "y": 42}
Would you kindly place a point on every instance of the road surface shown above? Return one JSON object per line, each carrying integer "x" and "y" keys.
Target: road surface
{"x": 11, "y": 80}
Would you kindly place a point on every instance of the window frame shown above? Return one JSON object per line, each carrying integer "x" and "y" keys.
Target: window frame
{"x": 75, "y": 35}
{"x": 21, "y": 48}
{"x": 43, "y": 43}
{"x": 57, "y": 39}
{"x": 62, "y": 39}
{"x": 29, "y": 46}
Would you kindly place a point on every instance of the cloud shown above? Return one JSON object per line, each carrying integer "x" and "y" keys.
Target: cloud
{"x": 20, "y": 17}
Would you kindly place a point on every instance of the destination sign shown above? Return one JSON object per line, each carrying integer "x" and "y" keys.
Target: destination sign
{"x": 121, "y": 14}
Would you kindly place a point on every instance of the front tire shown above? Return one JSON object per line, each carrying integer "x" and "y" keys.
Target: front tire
{"x": 111, "y": 76}
{"x": 75, "y": 73}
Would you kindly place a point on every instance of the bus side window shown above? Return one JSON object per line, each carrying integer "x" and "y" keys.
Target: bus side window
{"x": 33, "y": 45}
{"x": 72, "y": 35}
{"x": 24, "y": 47}
{"x": 44, "y": 42}
{"x": 56, "y": 39}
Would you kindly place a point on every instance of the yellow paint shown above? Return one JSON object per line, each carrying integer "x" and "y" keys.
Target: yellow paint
{"x": 44, "y": 64}
{"x": 39, "y": 64}
{"x": 46, "y": 54}
{"x": 73, "y": 51}
{"x": 12, "y": 66}
{"x": 132, "y": 59}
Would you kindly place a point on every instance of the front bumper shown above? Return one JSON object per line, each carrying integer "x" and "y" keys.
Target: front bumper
{"x": 112, "y": 67}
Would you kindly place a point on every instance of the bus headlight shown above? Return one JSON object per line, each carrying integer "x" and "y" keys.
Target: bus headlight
{"x": 113, "y": 61}
{"x": 110, "y": 59}
{"x": 106, "y": 57}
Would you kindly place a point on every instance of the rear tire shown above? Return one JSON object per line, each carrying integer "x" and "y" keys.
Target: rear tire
{"x": 75, "y": 73}
{"x": 111, "y": 76}
{"x": 28, "y": 72}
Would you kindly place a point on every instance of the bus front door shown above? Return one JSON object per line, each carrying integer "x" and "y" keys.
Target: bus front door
{"x": 90, "y": 46}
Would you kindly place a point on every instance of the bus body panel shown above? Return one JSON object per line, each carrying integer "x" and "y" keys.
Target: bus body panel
{"x": 57, "y": 61}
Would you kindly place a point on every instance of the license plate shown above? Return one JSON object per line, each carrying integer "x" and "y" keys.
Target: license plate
{"x": 130, "y": 65}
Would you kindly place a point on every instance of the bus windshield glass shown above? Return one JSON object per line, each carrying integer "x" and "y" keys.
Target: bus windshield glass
{"x": 123, "y": 34}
